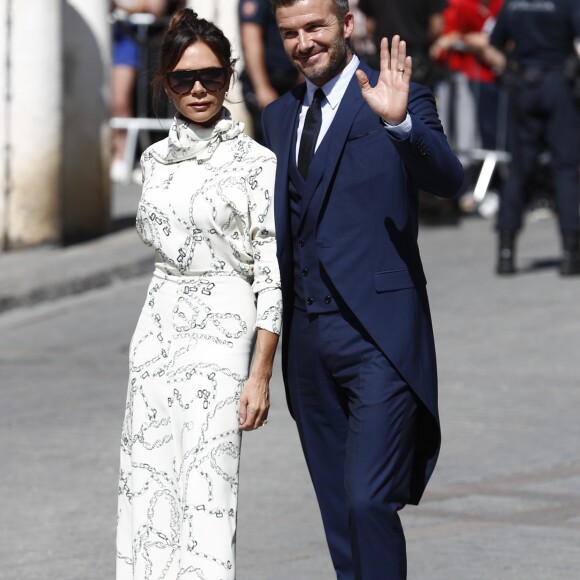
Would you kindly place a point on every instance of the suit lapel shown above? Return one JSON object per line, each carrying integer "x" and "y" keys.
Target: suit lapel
{"x": 328, "y": 154}
{"x": 283, "y": 146}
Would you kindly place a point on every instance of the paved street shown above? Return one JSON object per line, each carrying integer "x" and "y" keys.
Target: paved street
{"x": 504, "y": 503}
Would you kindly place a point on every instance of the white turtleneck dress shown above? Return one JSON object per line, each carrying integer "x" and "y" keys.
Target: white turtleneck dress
{"x": 207, "y": 210}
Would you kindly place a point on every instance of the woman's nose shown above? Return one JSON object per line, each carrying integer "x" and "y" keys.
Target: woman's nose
{"x": 197, "y": 87}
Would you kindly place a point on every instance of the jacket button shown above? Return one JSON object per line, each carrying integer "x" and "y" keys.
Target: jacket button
{"x": 327, "y": 300}
{"x": 301, "y": 243}
{"x": 309, "y": 301}
{"x": 305, "y": 272}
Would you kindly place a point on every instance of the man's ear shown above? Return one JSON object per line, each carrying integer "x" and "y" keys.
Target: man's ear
{"x": 348, "y": 24}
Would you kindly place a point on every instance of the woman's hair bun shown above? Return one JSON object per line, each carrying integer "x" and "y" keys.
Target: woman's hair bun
{"x": 183, "y": 16}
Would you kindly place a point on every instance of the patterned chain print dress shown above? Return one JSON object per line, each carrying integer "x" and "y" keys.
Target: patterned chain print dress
{"x": 207, "y": 210}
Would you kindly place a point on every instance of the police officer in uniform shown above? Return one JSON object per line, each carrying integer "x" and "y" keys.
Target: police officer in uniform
{"x": 541, "y": 34}
{"x": 267, "y": 71}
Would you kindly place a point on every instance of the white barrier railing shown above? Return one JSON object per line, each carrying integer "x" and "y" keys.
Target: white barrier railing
{"x": 133, "y": 125}
{"x": 490, "y": 160}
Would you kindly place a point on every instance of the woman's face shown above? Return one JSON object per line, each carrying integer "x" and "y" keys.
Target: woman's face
{"x": 197, "y": 67}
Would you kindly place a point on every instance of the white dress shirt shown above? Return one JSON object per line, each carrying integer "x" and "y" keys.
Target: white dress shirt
{"x": 333, "y": 91}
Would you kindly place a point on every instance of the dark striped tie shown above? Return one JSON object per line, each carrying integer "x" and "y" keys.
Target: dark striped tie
{"x": 310, "y": 132}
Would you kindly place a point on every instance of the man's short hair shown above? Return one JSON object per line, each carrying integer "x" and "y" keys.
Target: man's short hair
{"x": 340, "y": 7}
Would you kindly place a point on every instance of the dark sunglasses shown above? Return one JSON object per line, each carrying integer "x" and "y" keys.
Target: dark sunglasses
{"x": 182, "y": 81}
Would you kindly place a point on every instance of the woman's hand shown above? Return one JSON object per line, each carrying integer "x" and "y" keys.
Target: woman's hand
{"x": 254, "y": 403}
{"x": 255, "y": 397}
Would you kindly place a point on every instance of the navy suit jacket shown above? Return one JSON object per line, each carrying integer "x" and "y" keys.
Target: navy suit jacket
{"x": 360, "y": 205}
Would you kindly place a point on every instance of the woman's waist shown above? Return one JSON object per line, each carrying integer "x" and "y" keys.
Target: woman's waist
{"x": 172, "y": 274}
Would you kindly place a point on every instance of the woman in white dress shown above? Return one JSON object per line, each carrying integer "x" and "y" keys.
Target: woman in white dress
{"x": 201, "y": 355}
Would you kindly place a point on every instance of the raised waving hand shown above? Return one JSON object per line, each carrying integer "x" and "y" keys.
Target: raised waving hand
{"x": 390, "y": 96}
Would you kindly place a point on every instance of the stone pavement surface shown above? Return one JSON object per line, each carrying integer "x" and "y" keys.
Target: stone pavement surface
{"x": 504, "y": 502}
{"x": 35, "y": 275}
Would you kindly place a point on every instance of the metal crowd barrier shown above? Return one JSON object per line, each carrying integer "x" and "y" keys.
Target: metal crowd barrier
{"x": 134, "y": 125}
{"x": 138, "y": 127}
{"x": 492, "y": 159}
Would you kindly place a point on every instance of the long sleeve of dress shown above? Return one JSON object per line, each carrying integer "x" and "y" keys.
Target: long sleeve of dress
{"x": 266, "y": 283}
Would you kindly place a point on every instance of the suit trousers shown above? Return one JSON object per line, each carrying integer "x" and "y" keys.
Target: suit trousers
{"x": 356, "y": 418}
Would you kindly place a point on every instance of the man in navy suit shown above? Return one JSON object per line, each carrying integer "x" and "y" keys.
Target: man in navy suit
{"x": 358, "y": 350}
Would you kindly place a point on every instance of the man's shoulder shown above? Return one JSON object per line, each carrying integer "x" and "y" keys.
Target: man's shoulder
{"x": 419, "y": 89}
{"x": 287, "y": 99}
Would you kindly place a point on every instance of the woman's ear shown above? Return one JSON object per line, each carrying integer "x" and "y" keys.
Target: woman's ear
{"x": 166, "y": 88}
{"x": 231, "y": 77}
{"x": 167, "y": 91}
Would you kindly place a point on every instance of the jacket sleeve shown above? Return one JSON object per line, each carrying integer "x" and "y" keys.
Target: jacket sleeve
{"x": 426, "y": 153}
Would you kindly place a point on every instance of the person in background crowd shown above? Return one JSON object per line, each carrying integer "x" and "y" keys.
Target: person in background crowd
{"x": 202, "y": 353}
{"x": 473, "y": 108}
{"x": 419, "y": 22}
{"x": 362, "y": 40}
{"x": 267, "y": 71}
{"x": 540, "y": 35}
{"x": 125, "y": 66}
{"x": 483, "y": 80}
{"x": 353, "y": 148}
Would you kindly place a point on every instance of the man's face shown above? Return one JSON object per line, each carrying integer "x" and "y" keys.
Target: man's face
{"x": 315, "y": 39}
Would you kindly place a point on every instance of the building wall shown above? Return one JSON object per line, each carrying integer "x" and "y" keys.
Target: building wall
{"x": 86, "y": 140}
{"x": 53, "y": 126}
{"x": 34, "y": 123}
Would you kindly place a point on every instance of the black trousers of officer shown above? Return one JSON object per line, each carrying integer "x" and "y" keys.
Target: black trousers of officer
{"x": 543, "y": 115}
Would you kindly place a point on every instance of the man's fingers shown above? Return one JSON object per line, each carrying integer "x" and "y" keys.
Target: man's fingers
{"x": 363, "y": 81}
{"x": 385, "y": 56}
{"x": 395, "y": 45}
{"x": 394, "y": 60}
{"x": 401, "y": 55}
{"x": 408, "y": 69}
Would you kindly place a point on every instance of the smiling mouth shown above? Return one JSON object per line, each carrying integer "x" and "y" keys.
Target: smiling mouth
{"x": 306, "y": 59}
